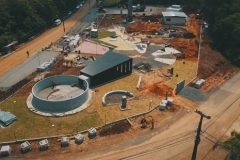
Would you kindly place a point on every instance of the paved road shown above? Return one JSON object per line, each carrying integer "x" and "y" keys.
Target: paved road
{"x": 51, "y": 35}
{"x": 85, "y": 22}
{"x": 177, "y": 141}
{"x": 25, "y": 69}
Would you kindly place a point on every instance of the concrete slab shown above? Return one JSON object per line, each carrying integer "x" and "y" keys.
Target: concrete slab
{"x": 60, "y": 92}
{"x": 92, "y": 48}
{"x": 169, "y": 50}
{"x": 25, "y": 69}
{"x": 165, "y": 60}
{"x": 120, "y": 43}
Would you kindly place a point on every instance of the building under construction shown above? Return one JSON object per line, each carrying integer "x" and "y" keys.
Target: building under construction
{"x": 107, "y": 68}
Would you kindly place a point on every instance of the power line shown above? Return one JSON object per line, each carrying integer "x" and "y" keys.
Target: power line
{"x": 197, "y": 140}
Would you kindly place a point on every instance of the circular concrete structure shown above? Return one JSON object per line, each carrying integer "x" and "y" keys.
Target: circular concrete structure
{"x": 69, "y": 93}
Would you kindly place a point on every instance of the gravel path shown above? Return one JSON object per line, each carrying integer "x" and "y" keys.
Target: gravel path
{"x": 193, "y": 94}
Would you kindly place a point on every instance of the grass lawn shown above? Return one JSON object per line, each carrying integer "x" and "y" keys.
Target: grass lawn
{"x": 30, "y": 125}
{"x": 186, "y": 71}
{"x": 103, "y": 34}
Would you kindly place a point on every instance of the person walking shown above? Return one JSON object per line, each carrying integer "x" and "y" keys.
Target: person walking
{"x": 27, "y": 54}
{"x": 52, "y": 84}
{"x": 152, "y": 123}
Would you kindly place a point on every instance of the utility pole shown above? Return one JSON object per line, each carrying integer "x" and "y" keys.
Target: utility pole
{"x": 197, "y": 140}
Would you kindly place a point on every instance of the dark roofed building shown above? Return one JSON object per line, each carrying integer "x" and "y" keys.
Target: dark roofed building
{"x": 108, "y": 67}
{"x": 11, "y": 47}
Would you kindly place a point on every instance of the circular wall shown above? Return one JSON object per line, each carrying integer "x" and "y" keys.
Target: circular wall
{"x": 67, "y": 101}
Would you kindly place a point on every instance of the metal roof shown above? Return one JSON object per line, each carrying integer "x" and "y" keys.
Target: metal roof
{"x": 174, "y": 14}
{"x": 105, "y": 62}
{"x": 12, "y": 43}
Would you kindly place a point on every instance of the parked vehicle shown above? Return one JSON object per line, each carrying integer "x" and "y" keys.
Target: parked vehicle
{"x": 79, "y": 6}
{"x": 86, "y": 58}
{"x": 57, "y": 22}
{"x": 69, "y": 14}
{"x": 138, "y": 8}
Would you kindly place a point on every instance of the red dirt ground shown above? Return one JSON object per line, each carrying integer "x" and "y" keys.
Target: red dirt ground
{"x": 159, "y": 89}
{"x": 213, "y": 67}
{"x": 114, "y": 129}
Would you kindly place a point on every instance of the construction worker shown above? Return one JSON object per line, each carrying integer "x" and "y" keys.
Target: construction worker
{"x": 143, "y": 120}
{"x": 52, "y": 84}
{"x": 152, "y": 123}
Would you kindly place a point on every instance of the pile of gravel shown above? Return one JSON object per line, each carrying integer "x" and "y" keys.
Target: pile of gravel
{"x": 193, "y": 94}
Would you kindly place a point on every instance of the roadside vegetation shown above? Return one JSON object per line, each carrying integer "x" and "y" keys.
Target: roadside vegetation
{"x": 224, "y": 26}
{"x": 233, "y": 145}
{"x": 23, "y": 19}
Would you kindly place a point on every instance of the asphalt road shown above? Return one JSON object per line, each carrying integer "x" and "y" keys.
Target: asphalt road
{"x": 41, "y": 41}
{"x": 25, "y": 69}
{"x": 177, "y": 141}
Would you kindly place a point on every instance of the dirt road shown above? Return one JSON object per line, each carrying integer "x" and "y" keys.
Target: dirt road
{"x": 43, "y": 40}
{"x": 177, "y": 141}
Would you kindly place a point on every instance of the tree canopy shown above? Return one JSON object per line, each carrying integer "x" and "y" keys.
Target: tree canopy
{"x": 22, "y": 19}
{"x": 224, "y": 26}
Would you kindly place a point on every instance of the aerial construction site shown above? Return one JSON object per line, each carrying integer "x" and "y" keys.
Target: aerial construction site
{"x": 118, "y": 83}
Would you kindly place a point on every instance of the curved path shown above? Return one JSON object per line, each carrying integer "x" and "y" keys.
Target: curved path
{"x": 43, "y": 40}
{"x": 177, "y": 141}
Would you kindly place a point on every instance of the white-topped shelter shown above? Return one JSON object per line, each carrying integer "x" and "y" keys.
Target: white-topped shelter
{"x": 177, "y": 18}
{"x": 25, "y": 147}
{"x": 65, "y": 141}
{"x": 5, "y": 150}
{"x": 44, "y": 144}
{"x": 92, "y": 132}
{"x": 79, "y": 138}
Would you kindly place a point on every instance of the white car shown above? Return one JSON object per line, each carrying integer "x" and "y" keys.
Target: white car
{"x": 57, "y": 22}
{"x": 64, "y": 36}
{"x": 79, "y": 6}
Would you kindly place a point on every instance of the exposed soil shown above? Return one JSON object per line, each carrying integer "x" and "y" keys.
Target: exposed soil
{"x": 108, "y": 21}
{"x": 213, "y": 67}
{"x": 187, "y": 43}
{"x": 107, "y": 136}
{"x": 114, "y": 129}
{"x": 159, "y": 89}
